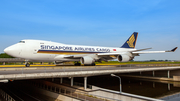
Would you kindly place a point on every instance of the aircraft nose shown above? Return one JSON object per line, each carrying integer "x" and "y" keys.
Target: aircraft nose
{"x": 12, "y": 50}
{"x": 7, "y": 50}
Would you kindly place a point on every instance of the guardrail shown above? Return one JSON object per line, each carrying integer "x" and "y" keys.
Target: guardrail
{"x": 86, "y": 95}
{"x": 11, "y": 60}
{"x": 14, "y": 61}
{"x": 72, "y": 93}
{"x": 44, "y": 69}
{"x": 8, "y": 60}
{"x": 6, "y": 96}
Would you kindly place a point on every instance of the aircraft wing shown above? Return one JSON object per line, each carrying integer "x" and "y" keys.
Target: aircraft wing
{"x": 110, "y": 56}
{"x": 144, "y": 52}
{"x": 75, "y": 56}
{"x": 98, "y": 54}
{"x": 134, "y": 52}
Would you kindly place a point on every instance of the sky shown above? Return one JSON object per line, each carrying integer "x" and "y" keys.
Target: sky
{"x": 94, "y": 22}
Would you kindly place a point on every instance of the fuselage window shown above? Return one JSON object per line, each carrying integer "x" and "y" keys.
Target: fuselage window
{"x": 21, "y": 41}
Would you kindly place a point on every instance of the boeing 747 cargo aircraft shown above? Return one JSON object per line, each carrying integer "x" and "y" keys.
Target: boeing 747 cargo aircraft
{"x": 38, "y": 50}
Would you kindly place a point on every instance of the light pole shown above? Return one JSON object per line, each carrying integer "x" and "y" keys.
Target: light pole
{"x": 119, "y": 81}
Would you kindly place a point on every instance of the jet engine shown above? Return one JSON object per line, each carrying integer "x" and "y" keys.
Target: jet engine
{"x": 58, "y": 62}
{"x": 86, "y": 60}
{"x": 123, "y": 58}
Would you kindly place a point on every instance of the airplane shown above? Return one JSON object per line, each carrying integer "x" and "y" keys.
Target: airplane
{"x": 39, "y": 50}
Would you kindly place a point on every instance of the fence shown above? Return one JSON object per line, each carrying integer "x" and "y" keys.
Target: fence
{"x": 6, "y": 96}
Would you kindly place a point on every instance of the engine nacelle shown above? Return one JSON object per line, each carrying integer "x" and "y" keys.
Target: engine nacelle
{"x": 58, "y": 62}
{"x": 123, "y": 58}
{"x": 86, "y": 60}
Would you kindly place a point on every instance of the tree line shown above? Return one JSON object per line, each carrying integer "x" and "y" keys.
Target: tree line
{"x": 4, "y": 55}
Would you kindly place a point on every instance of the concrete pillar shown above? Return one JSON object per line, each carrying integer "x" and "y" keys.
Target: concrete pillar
{"x": 168, "y": 74}
{"x": 4, "y": 63}
{"x": 169, "y": 88}
{"x": 54, "y": 89}
{"x": 153, "y": 84}
{"x": 61, "y": 80}
{"x": 85, "y": 83}
{"x": 153, "y": 74}
{"x": 72, "y": 81}
{"x": 59, "y": 90}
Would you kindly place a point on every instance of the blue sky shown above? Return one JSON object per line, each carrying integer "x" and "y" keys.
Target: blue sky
{"x": 94, "y": 22}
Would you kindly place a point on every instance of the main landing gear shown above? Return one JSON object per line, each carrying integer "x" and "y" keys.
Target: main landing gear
{"x": 77, "y": 64}
{"x": 93, "y": 64}
{"x": 27, "y": 65}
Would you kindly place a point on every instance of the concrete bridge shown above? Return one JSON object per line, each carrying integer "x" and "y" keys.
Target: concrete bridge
{"x": 21, "y": 73}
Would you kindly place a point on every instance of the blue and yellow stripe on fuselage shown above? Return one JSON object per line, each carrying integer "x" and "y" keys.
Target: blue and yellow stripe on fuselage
{"x": 67, "y": 52}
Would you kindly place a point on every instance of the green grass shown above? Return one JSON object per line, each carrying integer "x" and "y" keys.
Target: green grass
{"x": 106, "y": 63}
{"x": 138, "y": 62}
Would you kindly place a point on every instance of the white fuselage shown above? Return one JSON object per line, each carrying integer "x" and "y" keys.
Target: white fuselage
{"x": 49, "y": 51}
{"x": 38, "y": 50}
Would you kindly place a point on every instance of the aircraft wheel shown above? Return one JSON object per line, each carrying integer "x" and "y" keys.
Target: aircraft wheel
{"x": 27, "y": 65}
{"x": 77, "y": 64}
{"x": 93, "y": 64}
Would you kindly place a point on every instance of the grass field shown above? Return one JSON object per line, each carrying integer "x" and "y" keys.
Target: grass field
{"x": 97, "y": 63}
{"x": 136, "y": 62}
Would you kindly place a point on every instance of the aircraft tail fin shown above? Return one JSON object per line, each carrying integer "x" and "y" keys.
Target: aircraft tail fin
{"x": 131, "y": 42}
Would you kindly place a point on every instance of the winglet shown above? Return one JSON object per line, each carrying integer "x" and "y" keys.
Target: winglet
{"x": 173, "y": 50}
{"x": 131, "y": 42}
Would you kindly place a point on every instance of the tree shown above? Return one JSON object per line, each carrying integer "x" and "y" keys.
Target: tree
{"x": 4, "y": 55}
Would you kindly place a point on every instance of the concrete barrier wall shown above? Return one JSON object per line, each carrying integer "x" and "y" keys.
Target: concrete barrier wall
{"x": 55, "y": 96}
{"x": 56, "y": 85}
{"x": 120, "y": 96}
{"x": 68, "y": 91}
{"x": 176, "y": 78}
{"x": 113, "y": 95}
{"x": 99, "y": 92}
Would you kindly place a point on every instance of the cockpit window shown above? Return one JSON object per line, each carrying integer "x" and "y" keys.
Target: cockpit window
{"x": 21, "y": 41}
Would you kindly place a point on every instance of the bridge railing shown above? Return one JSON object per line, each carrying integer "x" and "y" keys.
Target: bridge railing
{"x": 6, "y": 96}
{"x": 72, "y": 92}
{"x": 92, "y": 95}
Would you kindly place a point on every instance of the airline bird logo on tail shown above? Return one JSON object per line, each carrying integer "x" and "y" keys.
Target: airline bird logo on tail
{"x": 131, "y": 41}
